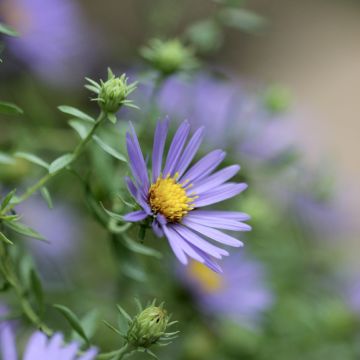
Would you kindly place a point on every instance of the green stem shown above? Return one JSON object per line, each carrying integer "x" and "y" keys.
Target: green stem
{"x": 118, "y": 354}
{"x": 76, "y": 153}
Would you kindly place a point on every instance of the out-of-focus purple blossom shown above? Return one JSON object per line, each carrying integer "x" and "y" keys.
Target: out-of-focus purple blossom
{"x": 239, "y": 294}
{"x": 61, "y": 226}
{"x": 231, "y": 115}
{"x": 7, "y": 339}
{"x": 54, "y": 40}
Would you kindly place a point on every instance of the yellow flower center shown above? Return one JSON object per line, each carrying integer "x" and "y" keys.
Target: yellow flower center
{"x": 210, "y": 281}
{"x": 169, "y": 198}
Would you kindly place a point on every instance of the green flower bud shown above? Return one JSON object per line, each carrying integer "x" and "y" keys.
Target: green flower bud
{"x": 148, "y": 327}
{"x": 169, "y": 57}
{"x": 112, "y": 93}
{"x": 277, "y": 99}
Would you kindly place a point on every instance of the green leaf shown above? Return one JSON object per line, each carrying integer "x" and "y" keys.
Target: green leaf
{"x": 76, "y": 112}
{"x": 7, "y": 30}
{"x": 124, "y": 313}
{"x": 47, "y": 197}
{"x": 6, "y": 159}
{"x": 140, "y": 248}
{"x": 73, "y": 321}
{"x": 10, "y": 108}
{"x": 242, "y": 19}
{"x": 7, "y": 199}
{"x": 107, "y": 148}
{"x": 5, "y": 239}
{"x": 37, "y": 289}
{"x": 113, "y": 328}
{"x": 113, "y": 215}
{"x": 80, "y": 127}
{"x": 32, "y": 158}
{"x": 60, "y": 163}
{"x": 24, "y": 230}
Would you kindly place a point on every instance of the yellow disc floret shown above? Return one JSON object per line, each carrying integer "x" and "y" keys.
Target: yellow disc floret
{"x": 169, "y": 198}
{"x": 208, "y": 280}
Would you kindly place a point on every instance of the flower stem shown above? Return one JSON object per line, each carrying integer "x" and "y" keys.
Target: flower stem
{"x": 41, "y": 182}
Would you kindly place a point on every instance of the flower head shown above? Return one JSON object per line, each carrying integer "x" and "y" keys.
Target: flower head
{"x": 148, "y": 327}
{"x": 240, "y": 294}
{"x": 39, "y": 347}
{"x": 173, "y": 196}
{"x": 168, "y": 57}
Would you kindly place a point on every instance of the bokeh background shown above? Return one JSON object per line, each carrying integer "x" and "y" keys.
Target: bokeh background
{"x": 310, "y": 49}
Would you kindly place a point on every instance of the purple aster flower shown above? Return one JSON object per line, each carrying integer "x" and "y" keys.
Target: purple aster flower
{"x": 239, "y": 294}
{"x": 173, "y": 197}
{"x": 53, "y": 39}
{"x": 39, "y": 347}
{"x": 7, "y": 340}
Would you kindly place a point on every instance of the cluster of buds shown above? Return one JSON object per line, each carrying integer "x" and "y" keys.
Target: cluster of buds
{"x": 169, "y": 57}
{"x": 112, "y": 93}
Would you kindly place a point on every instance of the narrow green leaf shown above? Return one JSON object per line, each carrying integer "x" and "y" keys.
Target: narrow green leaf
{"x": 6, "y": 159}
{"x": 113, "y": 328}
{"x": 37, "y": 289}
{"x": 60, "y": 163}
{"x": 113, "y": 215}
{"x": 80, "y": 127}
{"x": 7, "y": 199}
{"x": 5, "y": 239}
{"x": 47, "y": 197}
{"x": 10, "y": 108}
{"x": 7, "y": 30}
{"x": 32, "y": 158}
{"x": 124, "y": 313}
{"x": 76, "y": 112}
{"x": 73, "y": 320}
{"x": 242, "y": 19}
{"x": 107, "y": 148}
{"x": 140, "y": 248}
{"x": 24, "y": 230}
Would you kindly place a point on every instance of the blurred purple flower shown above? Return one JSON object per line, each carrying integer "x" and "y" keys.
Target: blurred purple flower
{"x": 61, "y": 226}
{"x": 39, "y": 347}
{"x": 54, "y": 40}
{"x": 7, "y": 339}
{"x": 239, "y": 294}
{"x": 230, "y": 115}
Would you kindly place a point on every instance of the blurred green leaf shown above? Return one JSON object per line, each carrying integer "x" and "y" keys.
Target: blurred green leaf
{"x": 205, "y": 35}
{"x": 60, "y": 163}
{"x": 6, "y": 159}
{"x": 7, "y": 30}
{"x": 37, "y": 290}
{"x": 107, "y": 148}
{"x": 5, "y": 239}
{"x": 140, "y": 248}
{"x": 32, "y": 158}
{"x": 73, "y": 321}
{"x": 242, "y": 19}
{"x": 10, "y": 108}
{"x": 112, "y": 117}
{"x": 80, "y": 127}
{"x": 7, "y": 199}
{"x": 47, "y": 197}
{"x": 76, "y": 112}
{"x": 24, "y": 230}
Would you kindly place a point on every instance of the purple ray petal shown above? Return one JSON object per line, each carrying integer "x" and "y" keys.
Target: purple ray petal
{"x": 135, "y": 216}
{"x": 131, "y": 187}
{"x": 158, "y": 148}
{"x": 7, "y": 341}
{"x": 157, "y": 229}
{"x": 220, "y": 193}
{"x": 226, "y": 224}
{"x": 215, "y": 214}
{"x": 199, "y": 242}
{"x": 213, "y": 234}
{"x": 190, "y": 151}
{"x": 69, "y": 352}
{"x": 137, "y": 157}
{"x": 176, "y": 147}
{"x": 214, "y": 180}
{"x": 186, "y": 247}
{"x": 175, "y": 246}
{"x": 36, "y": 346}
{"x": 211, "y": 263}
{"x": 204, "y": 166}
